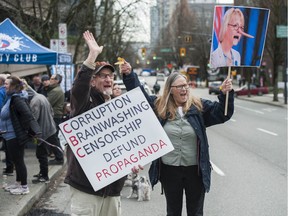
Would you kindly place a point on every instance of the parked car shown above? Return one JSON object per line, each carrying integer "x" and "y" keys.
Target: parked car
{"x": 214, "y": 87}
{"x": 254, "y": 90}
{"x": 142, "y": 81}
{"x": 160, "y": 77}
{"x": 148, "y": 72}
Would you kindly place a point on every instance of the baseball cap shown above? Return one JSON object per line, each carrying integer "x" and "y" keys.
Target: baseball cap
{"x": 102, "y": 66}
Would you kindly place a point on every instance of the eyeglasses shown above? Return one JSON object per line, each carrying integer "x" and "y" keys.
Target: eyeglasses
{"x": 116, "y": 88}
{"x": 236, "y": 27}
{"x": 180, "y": 87}
{"x": 104, "y": 76}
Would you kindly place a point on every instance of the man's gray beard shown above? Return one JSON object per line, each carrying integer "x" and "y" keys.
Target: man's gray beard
{"x": 107, "y": 92}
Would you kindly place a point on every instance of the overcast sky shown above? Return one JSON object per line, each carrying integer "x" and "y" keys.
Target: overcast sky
{"x": 144, "y": 13}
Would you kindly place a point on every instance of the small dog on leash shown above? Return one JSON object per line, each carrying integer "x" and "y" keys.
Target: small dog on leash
{"x": 132, "y": 177}
{"x": 141, "y": 188}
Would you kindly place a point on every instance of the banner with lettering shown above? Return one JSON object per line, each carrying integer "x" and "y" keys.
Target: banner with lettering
{"x": 18, "y": 48}
{"x": 113, "y": 137}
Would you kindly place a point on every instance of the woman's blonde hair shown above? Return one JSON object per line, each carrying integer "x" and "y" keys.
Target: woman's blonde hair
{"x": 226, "y": 19}
{"x": 165, "y": 104}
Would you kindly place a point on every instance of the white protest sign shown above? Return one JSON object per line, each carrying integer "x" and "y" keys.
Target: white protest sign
{"x": 110, "y": 139}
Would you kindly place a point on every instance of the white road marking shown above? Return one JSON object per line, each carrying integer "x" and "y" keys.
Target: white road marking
{"x": 217, "y": 169}
{"x": 252, "y": 110}
{"x": 266, "y": 131}
{"x": 269, "y": 109}
{"x": 233, "y": 120}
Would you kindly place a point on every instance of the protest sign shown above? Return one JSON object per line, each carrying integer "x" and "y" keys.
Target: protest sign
{"x": 110, "y": 139}
{"x": 238, "y": 36}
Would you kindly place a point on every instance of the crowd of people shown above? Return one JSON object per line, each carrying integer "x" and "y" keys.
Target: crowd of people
{"x": 183, "y": 116}
{"x": 30, "y": 114}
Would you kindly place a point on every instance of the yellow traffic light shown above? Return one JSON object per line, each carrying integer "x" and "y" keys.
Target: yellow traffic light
{"x": 143, "y": 52}
{"x": 182, "y": 51}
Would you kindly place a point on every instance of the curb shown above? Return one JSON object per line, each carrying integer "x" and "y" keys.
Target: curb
{"x": 20, "y": 205}
{"x": 37, "y": 194}
{"x": 264, "y": 100}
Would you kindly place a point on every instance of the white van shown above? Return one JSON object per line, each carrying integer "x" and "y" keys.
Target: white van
{"x": 160, "y": 77}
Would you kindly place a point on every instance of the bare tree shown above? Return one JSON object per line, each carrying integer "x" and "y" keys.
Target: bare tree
{"x": 180, "y": 25}
{"x": 189, "y": 31}
{"x": 275, "y": 51}
{"x": 276, "y": 48}
{"x": 110, "y": 20}
{"x": 202, "y": 37}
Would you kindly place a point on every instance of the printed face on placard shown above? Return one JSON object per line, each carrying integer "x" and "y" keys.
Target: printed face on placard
{"x": 238, "y": 36}
{"x": 232, "y": 34}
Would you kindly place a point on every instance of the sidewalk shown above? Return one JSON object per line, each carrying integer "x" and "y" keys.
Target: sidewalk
{"x": 265, "y": 99}
{"x": 19, "y": 205}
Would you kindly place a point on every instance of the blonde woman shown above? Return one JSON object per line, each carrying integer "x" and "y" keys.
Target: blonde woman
{"x": 184, "y": 118}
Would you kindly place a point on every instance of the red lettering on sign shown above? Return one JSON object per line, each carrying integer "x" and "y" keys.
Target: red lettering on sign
{"x": 64, "y": 128}
{"x": 73, "y": 140}
{"x": 78, "y": 153}
{"x": 130, "y": 161}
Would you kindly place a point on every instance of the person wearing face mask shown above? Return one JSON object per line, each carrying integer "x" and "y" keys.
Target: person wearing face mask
{"x": 92, "y": 87}
{"x": 231, "y": 31}
{"x": 184, "y": 118}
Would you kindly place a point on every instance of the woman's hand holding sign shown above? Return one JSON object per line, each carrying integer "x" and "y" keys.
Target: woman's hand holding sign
{"x": 226, "y": 86}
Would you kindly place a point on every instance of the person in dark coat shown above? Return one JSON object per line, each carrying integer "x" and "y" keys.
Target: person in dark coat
{"x": 92, "y": 87}
{"x": 43, "y": 113}
{"x": 184, "y": 118}
{"x": 56, "y": 98}
{"x": 156, "y": 88}
{"x": 46, "y": 83}
{"x": 20, "y": 126}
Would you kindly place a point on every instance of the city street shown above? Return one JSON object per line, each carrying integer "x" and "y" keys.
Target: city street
{"x": 68, "y": 61}
{"x": 249, "y": 157}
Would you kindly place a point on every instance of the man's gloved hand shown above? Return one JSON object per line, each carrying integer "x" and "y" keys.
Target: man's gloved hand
{"x": 36, "y": 138}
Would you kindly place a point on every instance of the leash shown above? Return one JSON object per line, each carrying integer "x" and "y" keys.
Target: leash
{"x": 44, "y": 141}
{"x": 38, "y": 139}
